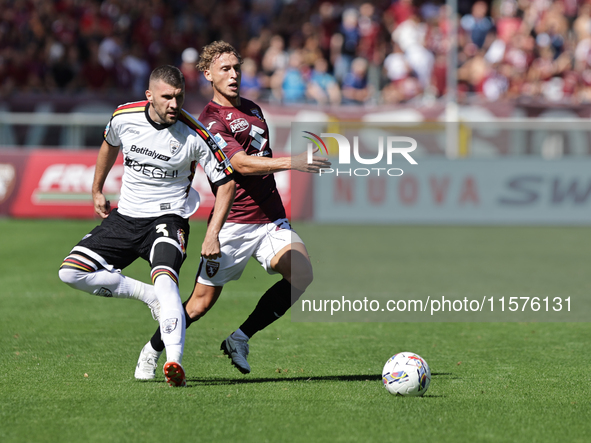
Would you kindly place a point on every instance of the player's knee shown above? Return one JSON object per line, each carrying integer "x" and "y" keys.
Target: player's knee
{"x": 166, "y": 253}
{"x": 302, "y": 277}
{"x": 70, "y": 276}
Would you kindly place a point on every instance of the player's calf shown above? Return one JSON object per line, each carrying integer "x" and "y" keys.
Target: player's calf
{"x": 82, "y": 273}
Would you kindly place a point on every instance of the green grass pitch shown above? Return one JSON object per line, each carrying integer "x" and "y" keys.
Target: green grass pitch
{"x": 67, "y": 360}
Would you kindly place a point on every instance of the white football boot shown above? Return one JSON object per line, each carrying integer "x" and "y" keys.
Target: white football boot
{"x": 147, "y": 363}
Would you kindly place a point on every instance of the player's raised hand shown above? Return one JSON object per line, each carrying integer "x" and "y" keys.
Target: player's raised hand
{"x": 102, "y": 206}
{"x": 300, "y": 162}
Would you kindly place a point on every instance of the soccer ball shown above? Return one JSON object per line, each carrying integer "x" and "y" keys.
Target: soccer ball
{"x": 406, "y": 374}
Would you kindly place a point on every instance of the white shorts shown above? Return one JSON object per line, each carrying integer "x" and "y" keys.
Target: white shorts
{"x": 239, "y": 242}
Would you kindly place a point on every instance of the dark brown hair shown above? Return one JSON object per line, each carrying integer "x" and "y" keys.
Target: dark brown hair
{"x": 171, "y": 75}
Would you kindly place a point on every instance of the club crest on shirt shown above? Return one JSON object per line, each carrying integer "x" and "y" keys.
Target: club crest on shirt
{"x": 239, "y": 125}
{"x": 257, "y": 114}
{"x": 175, "y": 146}
{"x": 211, "y": 268}
{"x": 181, "y": 237}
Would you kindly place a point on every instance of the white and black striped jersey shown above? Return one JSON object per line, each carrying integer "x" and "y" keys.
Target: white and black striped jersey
{"x": 160, "y": 161}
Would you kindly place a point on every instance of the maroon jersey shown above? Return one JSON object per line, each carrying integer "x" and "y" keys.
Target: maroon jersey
{"x": 244, "y": 129}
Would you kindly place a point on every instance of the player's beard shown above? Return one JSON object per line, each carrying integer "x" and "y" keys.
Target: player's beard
{"x": 163, "y": 115}
{"x": 165, "y": 118}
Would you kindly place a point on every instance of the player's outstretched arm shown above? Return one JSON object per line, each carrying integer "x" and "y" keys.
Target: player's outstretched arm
{"x": 106, "y": 159}
{"x": 253, "y": 165}
{"x": 300, "y": 162}
{"x": 224, "y": 199}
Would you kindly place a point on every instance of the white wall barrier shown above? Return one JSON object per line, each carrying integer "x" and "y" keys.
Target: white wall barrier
{"x": 438, "y": 191}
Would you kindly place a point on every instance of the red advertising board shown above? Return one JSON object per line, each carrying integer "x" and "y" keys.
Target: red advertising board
{"x": 12, "y": 165}
{"x": 57, "y": 184}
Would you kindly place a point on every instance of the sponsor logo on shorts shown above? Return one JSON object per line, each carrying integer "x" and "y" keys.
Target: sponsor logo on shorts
{"x": 169, "y": 325}
{"x": 104, "y": 292}
{"x": 239, "y": 125}
{"x": 181, "y": 237}
{"x": 211, "y": 268}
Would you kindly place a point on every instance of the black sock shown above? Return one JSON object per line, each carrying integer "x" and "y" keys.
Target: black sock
{"x": 272, "y": 305}
{"x": 156, "y": 339}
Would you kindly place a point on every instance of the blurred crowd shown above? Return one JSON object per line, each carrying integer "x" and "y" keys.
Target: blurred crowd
{"x": 323, "y": 52}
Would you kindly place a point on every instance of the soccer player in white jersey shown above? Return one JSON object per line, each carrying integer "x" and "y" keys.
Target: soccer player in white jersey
{"x": 256, "y": 226}
{"x": 161, "y": 145}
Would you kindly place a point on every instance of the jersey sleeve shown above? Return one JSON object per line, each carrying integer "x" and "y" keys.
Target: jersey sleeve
{"x": 111, "y": 134}
{"x": 116, "y": 126}
{"x": 214, "y": 162}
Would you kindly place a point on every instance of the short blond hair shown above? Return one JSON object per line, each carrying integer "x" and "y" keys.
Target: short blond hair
{"x": 210, "y": 53}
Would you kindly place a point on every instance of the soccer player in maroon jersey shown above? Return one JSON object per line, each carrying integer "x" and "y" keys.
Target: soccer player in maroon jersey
{"x": 256, "y": 226}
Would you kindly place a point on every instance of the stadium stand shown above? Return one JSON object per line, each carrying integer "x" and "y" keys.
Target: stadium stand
{"x": 304, "y": 52}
